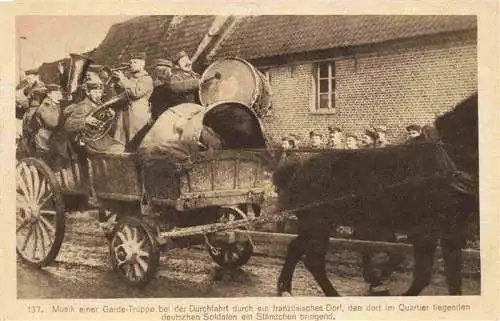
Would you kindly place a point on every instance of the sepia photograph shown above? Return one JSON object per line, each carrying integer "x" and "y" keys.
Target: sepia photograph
{"x": 188, "y": 156}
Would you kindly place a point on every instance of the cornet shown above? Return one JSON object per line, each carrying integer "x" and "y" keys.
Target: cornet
{"x": 110, "y": 71}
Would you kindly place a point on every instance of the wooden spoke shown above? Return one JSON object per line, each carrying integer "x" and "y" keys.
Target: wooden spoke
{"x": 21, "y": 201}
{"x": 48, "y": 212}
{"x": 121, "y": 236}
{"x": 48, "y": 225}
{"x": 128, "y": 272}
{"x": 28, "y": 236}
{"x": 41, "y": 192}
{"x": 29, "y": 181}
{"x": 35, "y": 242}
{"x": 36, "y": 181}
{"x": 142, "y": 253}
{"x": 42, "y": 238}
{"x": 22, "y": 185}
{"x": 23, "y": 225}
{"x": 45, "y": 199}
{"x": 133, "y": 234}
{"x": 142, "y": 263}
{"x": 137, "y": 271}
{"x": 128, "y": 233}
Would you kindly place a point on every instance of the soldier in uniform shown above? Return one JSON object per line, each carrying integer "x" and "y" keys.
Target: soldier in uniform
{"x": 315, "y": 139}
{"x": 382, "y": 140}
{"x": 24, "y": 91}
{"x": 414, "y": 133}
{"x": 184, "y": 81}
{"x": 138, "y": 87}
{"x": 369, "y": 138}
{"x": 351, "y": 141}
{"x": 29, "y": 123}
{"x": 162, "y": 97}
{"x": 335, "y": 137}
{"x": 93, "y": 73}
{"x": 48, "y": 118}
{"x": 78, "y": 115}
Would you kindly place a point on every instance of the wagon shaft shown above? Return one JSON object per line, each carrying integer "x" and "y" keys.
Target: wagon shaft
{"x": 217, "y": 227}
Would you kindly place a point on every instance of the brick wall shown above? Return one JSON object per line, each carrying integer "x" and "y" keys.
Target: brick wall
{"x": 392, "y": 84}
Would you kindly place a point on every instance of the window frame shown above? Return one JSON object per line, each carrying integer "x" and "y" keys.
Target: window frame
{"x": 332, "y": 93}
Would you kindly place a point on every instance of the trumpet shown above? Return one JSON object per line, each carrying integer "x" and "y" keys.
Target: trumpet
{"x": 110, "y": 71}
{"x": 120, "y": 68}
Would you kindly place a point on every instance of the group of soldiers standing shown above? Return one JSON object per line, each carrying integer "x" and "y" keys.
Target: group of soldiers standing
{"x": 373, "y": 137}
{"x": 50, "y": 128}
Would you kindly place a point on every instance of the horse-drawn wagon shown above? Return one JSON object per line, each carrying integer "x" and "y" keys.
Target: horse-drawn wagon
{"x": 153, "y": 203}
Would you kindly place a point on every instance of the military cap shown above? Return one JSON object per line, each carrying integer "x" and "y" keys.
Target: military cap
{"x": 371, "y": 133}
{"x": 53, "y": 87}
{"x": 39, "y": 90}
{"x": 413, "y": 127}
{"x": 312, "y": 133}
{"x": 179, "y": 55}
{"x": 31, "y": 72}
{"x": 333, "y": 129}
{"x": 380, "y": 128}
{"x": 163, "y": 62}
{"x": 138, "y": 55}
{"x": 352, "y": 135}
{"x": 93, "y": 85}
{"x": 286, "y": 138}
{"x": 95, "y": 68}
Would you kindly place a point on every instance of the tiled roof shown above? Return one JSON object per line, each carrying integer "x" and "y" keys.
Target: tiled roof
{"x": 153, "y": 34}
{"x": 266, "y": 36}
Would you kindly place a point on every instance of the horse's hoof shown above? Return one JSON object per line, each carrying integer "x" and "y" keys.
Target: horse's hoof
{"x": 285, "y": 293}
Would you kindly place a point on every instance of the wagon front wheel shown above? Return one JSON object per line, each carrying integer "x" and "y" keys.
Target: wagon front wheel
{"x": 40, "y": 221}
{"x": 134, "y": 252}
{"x": 231, "y": 255}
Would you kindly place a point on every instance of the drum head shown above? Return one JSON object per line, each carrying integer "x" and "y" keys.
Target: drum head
{"x": 237, "y": 83}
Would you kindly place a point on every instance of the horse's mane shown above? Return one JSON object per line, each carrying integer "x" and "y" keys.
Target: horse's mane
{"x": 458, "y": 130}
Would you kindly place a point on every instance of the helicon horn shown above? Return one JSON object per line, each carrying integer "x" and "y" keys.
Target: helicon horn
{"x": 76, "y": 73}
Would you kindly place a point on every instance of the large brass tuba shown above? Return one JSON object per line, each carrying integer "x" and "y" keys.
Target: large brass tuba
{"x": 76, "y": 73}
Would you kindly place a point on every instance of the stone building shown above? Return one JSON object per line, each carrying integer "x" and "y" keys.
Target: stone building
{"x": 356, "y": 71}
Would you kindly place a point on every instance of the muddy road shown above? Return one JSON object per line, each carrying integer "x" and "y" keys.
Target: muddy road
{"x": 83, "y": 270}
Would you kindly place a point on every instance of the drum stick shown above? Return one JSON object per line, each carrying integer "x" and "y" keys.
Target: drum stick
{"x": 217, "y": 76}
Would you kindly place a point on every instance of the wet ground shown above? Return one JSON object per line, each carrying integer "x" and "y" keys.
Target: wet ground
{"x": 82, "y": 270}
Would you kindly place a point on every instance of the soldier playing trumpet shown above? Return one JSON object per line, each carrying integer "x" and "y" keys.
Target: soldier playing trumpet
{"x": 138, "y": 86}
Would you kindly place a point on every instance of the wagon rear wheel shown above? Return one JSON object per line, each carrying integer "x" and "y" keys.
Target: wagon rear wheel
{"x": 230, "y": 255}
{"x": 134, "y": 251}
{"x": 40, "y": 221}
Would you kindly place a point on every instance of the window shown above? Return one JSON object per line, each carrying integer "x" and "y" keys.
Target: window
{"x": 325, "y": 87}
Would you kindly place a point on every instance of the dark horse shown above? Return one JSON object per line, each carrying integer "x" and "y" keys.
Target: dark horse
{"x": 417, "y": 189}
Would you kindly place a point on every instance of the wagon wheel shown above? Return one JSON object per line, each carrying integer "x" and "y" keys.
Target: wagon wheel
{"x": 230, "y": 255}
{"x": 134, "y": 251}
{"x": 40, "y": 222}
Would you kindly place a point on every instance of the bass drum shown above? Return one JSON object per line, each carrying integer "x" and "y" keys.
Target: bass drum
{"x": 236, "y": 80}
